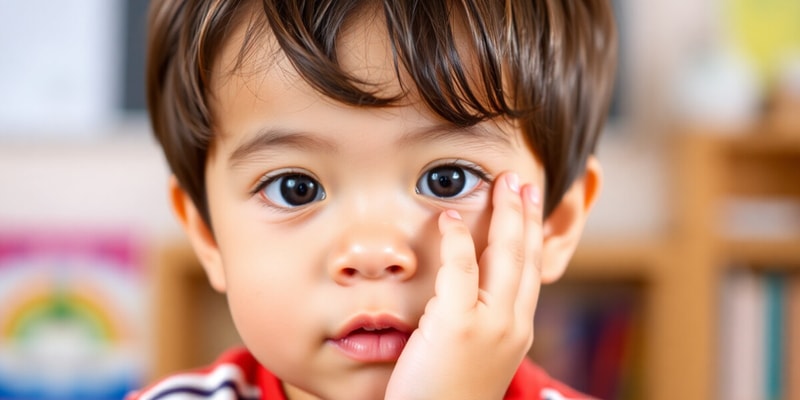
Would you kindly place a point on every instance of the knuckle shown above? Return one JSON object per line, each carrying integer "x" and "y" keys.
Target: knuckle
{"x": 537, "y": 263}
{"x": 534, "y": 217}
{"x": 523, "y": 335}
{"x": 528, "y": 341}
{"x": 462, "y": 329}
{"x": 464, "y": 262}
{"x": 516, "y": 206}
{"x": 460, "y": 229}
{"x": 512, "y": 251}
{"x": 516, "y": 251}
{"x": 498, "y": 330}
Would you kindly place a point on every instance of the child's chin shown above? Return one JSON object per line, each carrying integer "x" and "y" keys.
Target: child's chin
{"x": 361, "y": 385}
{"x": 355, "y": 393}
{"x": 373, "y": 389}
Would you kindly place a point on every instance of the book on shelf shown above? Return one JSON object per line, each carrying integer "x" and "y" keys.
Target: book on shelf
{"x": 759, "y": 334}
{"x": 793, "y": 339}
{"x": 760, "y": 218}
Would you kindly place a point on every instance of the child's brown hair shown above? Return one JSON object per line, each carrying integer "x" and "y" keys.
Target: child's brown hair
{"x": 547, "y": 64}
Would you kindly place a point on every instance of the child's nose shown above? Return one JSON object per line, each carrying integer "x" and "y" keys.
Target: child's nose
{"x": 372, "y": 255}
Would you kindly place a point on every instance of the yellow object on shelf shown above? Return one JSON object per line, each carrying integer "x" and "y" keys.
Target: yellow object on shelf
{"x": 767, "y": 30}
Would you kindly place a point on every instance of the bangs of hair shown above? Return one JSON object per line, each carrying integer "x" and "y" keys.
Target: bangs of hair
{"x": 458, "y": 73}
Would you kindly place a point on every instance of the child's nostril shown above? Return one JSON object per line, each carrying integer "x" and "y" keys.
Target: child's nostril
{"x": 349, "y": 271}
{"x": 395, "y": 269}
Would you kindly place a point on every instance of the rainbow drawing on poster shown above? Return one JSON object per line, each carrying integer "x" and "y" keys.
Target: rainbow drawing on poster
{"x": 44, "y": 307}
{"x": 72, "y": 317}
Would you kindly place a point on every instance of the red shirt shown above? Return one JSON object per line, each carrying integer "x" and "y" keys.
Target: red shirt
{"x": 237, "y": 375}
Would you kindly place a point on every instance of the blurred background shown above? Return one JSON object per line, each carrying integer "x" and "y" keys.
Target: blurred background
{"x": 686, "y": 284}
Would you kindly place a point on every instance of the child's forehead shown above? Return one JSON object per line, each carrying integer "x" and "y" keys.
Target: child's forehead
{"x": 363, "y": 51}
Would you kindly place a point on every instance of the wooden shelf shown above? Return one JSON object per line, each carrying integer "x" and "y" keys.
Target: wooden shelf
{"x": 765, "y": 253}
{"x": 763, "y": 142}
{"x": 709, "y": 170}
{"x": 616, "y": 259}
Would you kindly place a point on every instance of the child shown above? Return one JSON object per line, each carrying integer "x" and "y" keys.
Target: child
{"x": 379, "y": 188}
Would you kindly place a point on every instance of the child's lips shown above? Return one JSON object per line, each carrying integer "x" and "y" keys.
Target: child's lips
{"x": 374, "y": 339}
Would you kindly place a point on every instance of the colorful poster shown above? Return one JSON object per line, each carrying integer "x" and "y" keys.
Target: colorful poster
{"x": 73, "y": 316}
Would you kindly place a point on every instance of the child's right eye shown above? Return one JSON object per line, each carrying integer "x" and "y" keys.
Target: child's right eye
{"x": 291, "y": 190}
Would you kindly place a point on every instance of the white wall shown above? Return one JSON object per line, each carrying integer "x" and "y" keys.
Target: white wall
{"x": 60, "y": 65}
{"x": 115, "y": 182}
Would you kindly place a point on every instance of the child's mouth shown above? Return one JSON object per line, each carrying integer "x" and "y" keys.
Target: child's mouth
{"x": 373, "y": 340}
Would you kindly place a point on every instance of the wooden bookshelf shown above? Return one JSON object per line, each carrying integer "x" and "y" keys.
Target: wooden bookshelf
{"x": 709, "y": 170}
{"x": 679, "y": 273}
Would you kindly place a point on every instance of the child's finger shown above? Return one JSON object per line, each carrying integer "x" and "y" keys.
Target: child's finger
{"x": 457, "y": 280}
{"x": 503, "y": 259}
{"x": 530, "y": 281}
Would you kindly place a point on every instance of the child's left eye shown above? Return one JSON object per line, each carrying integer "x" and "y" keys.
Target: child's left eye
{"x": 449, "y": 181}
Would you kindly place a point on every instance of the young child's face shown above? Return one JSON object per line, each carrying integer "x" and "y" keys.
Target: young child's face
{"x": 325, "y": 215}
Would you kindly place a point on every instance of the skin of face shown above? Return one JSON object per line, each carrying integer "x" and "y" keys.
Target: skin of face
{"x": 365, "y": 242}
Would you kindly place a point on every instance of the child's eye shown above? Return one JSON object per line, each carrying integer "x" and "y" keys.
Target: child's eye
{"x": 450, "y": 181}
{"x": 291, "y": 190}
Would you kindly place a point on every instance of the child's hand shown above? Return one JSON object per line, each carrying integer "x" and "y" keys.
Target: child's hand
{"x": 475, "y": 332}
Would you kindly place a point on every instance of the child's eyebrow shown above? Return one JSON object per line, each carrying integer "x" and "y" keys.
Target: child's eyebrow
{"x": 446, "y": 132}
{"x": 274, "y": 138}
{"x": 271, "y": 139}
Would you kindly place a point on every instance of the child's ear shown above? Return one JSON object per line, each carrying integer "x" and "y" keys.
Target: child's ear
{"x": 564, "y": 226}
{"x": 200, "y": 237}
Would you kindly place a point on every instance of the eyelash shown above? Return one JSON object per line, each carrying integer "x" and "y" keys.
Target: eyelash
{"x": 472, "y": 167}
{"x": 272, "y": 176}
{"x": 476, "y": 169}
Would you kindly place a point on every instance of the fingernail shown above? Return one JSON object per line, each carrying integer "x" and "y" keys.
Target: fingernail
{"x": 535, "y": 195}
{"x": 453, "y": 214}
{"x": 512, "y": 180}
